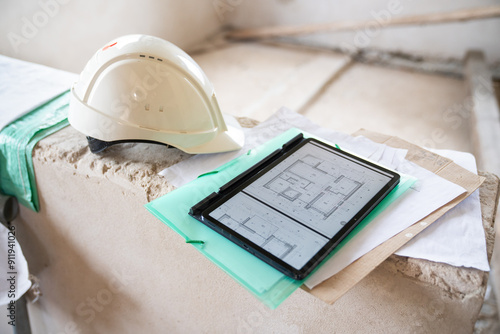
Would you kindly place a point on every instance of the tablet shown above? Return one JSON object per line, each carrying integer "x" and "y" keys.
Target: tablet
{"x": 295, "y": 206}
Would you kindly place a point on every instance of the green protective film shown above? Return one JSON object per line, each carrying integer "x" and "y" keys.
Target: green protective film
{"x": 266, "y": 283}
{"x": 17, "y": 140}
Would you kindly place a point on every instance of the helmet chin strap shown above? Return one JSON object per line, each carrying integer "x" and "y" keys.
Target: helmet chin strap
{"x": 97, "y": 145}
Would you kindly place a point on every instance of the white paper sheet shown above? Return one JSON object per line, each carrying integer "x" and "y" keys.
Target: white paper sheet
{"x": 284, "y": 119}
{"x": 458, "y": 237}
{"x": 25, "y": 86}
{"x": 428, "y": 194}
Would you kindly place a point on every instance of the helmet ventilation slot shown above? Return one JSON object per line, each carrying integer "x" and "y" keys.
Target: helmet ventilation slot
{"x": 150, "y": 57}
{"x": 147, "y": 107}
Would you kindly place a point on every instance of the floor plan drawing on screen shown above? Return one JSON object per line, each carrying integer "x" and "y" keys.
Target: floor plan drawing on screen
{"x": 299, "y": 182}
{"x": 317, "y": 187}
{"x": 277, "y": 234}
{"x": 261, "y": 233}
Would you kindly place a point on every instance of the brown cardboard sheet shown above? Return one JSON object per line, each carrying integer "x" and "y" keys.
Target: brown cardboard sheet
{"x": 336, "y": 286}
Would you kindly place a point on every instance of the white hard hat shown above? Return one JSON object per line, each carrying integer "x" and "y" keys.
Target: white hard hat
{"x": 143, "y": 88}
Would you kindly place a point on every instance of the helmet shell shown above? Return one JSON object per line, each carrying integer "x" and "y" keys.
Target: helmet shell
{"x": 141, "y": 87}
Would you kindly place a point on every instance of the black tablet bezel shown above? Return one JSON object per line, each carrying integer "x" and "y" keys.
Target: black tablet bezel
{"x": 271, "y": 259}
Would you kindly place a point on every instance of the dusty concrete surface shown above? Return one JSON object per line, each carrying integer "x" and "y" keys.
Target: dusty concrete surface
{"x": 488, "y": 321}
{"x": 130, "y": 165}
{"x": 378, "y": 98}
{"x": 108, "y": 266}
{"x": 253, "y": 80}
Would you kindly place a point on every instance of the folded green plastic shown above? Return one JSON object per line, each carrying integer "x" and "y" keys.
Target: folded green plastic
{"x": 17, "y": 140}
{"x": 266, "y": 283}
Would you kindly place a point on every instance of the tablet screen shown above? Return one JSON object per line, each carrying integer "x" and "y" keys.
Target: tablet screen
{"x": 302, "y": 203}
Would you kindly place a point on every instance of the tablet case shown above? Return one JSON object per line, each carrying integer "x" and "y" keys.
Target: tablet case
{"x": 262, "y": 280}
{"x": 200, "y": 211}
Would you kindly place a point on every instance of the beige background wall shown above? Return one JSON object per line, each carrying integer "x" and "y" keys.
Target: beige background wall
{"x": 447, "y": 40}
{"x": 67, "y": 32}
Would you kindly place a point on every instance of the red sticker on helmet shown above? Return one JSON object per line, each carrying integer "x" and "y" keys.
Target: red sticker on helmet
{"x": 108, "y": 46}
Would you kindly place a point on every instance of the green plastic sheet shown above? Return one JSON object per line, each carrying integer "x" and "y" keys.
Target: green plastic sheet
{"x": 266, "y": 283}
{"x": 17, "y": 140}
